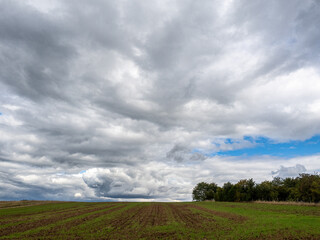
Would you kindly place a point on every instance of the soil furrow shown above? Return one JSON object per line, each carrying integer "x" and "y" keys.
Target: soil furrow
{"x": 230, "y": 216}
{"x": 183, "y": 214}
{"x": 22, "y": 227}
{"x": 40, "y": 215}
{"x": 125, "y": 219}
{"x": 153, "y": 215}
{"x": 55, "y": 230}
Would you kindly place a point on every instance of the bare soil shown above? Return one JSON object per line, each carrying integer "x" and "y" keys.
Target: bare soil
{"x": 230, "y": 216}
{"x": 154, "y": 221}
{"x": 49, "y": 219}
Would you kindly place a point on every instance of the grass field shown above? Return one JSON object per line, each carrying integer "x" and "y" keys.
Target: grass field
{"x": 205, "y": 220}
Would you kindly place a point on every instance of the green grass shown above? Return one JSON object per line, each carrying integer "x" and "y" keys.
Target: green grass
{"x": 201, "y": 220}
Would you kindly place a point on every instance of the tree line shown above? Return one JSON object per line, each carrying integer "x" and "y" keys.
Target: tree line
{"x": 304, "y": 188}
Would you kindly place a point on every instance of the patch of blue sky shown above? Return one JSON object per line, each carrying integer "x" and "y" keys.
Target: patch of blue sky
{"x": 267, "y": 146}
{"x": 196, "y": 151}
{"x": 83, "y": 171}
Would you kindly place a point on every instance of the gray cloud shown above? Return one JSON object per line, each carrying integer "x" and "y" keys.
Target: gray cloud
{"x": 35, "y": 53}
{"x": 285, "y": 172}
{"x": 121, "y": 183}
{"x": 109, "y": 85}
{"x": 181, "y": 153}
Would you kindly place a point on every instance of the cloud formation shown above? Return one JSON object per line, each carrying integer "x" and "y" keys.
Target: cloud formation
{"x": 125, "y": 90}
{"x": 285, "y": 172}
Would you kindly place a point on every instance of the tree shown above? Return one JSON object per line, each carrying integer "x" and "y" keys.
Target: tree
{"x": 245, "y": 190}
{"x": 308, "y": 187}
{"x": 229, "y": 192}
{"x": 304, "y": 188}
{"x": 315, "y": 190}
{"x": 204, "y": 191}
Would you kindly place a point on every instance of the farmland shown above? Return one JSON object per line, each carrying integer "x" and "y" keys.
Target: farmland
{"x": 196, "y": 220}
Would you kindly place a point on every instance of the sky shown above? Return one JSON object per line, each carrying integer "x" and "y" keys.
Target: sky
{"x": 141, "y": 100}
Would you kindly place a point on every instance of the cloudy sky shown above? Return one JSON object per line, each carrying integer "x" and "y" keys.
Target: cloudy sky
{"x": 141, "y": 100}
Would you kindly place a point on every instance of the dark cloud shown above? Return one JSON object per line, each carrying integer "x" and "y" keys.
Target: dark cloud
{"x": 121, "y": 183}
{"x": 35, "y": 54}
{"x": 16, "y": 188}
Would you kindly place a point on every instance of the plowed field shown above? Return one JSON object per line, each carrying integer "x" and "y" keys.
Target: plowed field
{"x": 208, "y": 220}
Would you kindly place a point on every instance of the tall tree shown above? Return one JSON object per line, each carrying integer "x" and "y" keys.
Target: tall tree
{"x": 204, "y": 191}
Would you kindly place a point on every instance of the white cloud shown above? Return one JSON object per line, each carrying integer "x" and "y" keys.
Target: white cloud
{"x": 78, "y": 195}
{"x": 147, "y": 85}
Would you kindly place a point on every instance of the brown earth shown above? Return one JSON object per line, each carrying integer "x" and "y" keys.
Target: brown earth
{"x": 49, "y": 219}
{"x": 40, "y": 214}
{"x": 56, "y": 230}
{"x": 133, "y": 221}
{"x": 153, "y": 215}
{"x": 230, "y": 216}
{"x": 122, "y": 221}
{"x": 130, "y": 223}
{"x": 184, "y": 215}
{"x": 23, "y": 203}
{"x": 142, "y": 221}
